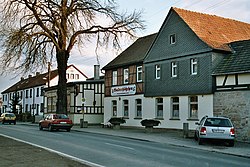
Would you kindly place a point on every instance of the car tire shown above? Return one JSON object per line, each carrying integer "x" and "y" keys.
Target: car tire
{"x": 200, "y": 141}
{"x": 40, "y": 127}
{"x": 68, "y": 130}
{"x": 15, "y": 123}
{"x": 231, "y": 143}
{"x": 195, "y": 136}
{"x": 50, "y": 128}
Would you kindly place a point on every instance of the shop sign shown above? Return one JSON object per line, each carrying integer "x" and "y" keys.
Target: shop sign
{"x": 123, "y": 90}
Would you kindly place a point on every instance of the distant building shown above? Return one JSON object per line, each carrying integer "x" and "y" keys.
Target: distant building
{"x": 85, "y": 99}
{"x": 30, "y": 91}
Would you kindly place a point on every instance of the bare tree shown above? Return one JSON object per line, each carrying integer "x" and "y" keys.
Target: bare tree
{"x": 33, "y": 30}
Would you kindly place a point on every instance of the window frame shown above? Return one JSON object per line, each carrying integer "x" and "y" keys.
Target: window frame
{"x": 174, "y": 69}
{"x": 125, "y": 76}
{"x": 125, "y": 108}
{"x": 138, "y": 113}
{"x": 114, "y": 77}
{"x": 114, "y": 106}
{"x": 172, "y": 39}
{"x": 194, "y": 66}
{"x": 193, "y": 113}
{"x": 139, "y": 74}
{"x": 173, "y": 108}
{"x": 157, "y": 71}
{"x": 159, "y": 113}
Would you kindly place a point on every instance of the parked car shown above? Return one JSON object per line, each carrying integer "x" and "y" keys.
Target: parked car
{"x": 56, "y": 122}
{"x": 215, "y": 128}
{"x": 8, "y": 118}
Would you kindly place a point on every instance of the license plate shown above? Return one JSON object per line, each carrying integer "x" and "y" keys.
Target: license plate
{"x": 218, "y": 131}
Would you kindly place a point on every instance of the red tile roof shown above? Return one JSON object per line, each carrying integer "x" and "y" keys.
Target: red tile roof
{"x": 215, "y": 31}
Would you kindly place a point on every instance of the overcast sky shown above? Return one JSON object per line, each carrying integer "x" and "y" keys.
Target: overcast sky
{"x": 154, "y": 13}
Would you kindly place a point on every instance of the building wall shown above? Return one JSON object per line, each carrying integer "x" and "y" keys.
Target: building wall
{"x": 205, "y": 105}
{"x": 236, "y": 106}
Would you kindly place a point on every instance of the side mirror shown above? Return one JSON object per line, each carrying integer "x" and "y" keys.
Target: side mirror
{"x": 197, "y": 123}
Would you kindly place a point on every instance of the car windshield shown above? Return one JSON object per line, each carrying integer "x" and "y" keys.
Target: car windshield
{"x": 218, "y": 122}
{"x": 60, "y": 116}
{"x": 10, "y": 115}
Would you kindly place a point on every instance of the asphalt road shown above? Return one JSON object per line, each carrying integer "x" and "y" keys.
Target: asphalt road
{"x": 103, "y": 150}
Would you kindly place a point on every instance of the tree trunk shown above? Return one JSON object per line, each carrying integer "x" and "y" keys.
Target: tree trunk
{"x": 62, "y": 59}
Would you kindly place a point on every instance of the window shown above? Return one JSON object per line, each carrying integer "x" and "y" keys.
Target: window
{"x": 67, "y": 76}
{"x": 114, "y": 108}
{"x": 194, "y": 66}
{"x": 37, "y": 92}
{"x": 174, "y": 69}
{"x": 125, "y": 76}
{"x": 157, "y": 71}
{"x": 139, "y": 74}
{"x": 125, "y": 108}
{"x": 114, "y": 79}
{"x": 42, "y": 91}
{"x": 51, "y": 102}
{"x": 72, "y": 76}
{"x": 193, "y": 107}
{"x": 30, "y": 93}
{"x": 172, "y": 39}
{"x": 175, "y": 107}
{"x": 159, "y": 107}
{"x": 138, "y": 109}
{"x": 77, "y": 76}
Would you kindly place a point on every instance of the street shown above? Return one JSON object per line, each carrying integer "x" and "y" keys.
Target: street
{"x": 111, "y": 151}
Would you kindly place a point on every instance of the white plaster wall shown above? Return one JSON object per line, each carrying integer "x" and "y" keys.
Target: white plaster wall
{"x": 230, "y": 80}
{"x": 244, "y": 78}
{"x": 91, "y": 118}
{"x": 219, "y": 80}
{"x": 205, "y": 107}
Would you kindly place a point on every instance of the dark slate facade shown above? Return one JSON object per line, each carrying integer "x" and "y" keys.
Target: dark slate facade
{"x": 187, "y": 46}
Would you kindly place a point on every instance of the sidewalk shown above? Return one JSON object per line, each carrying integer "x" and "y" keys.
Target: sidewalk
{"x": 171, "y": 137}
{"x": 165, "y": 136}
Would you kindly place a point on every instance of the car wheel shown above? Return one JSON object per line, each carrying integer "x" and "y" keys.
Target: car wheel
{"x": 231, "y": 143}
{"x": 3, "y": 122}
{"x": 200, "y": 141}
{"x": 195, "y": 136}
{"x": 40, "y": 127}
{"x": 68, "y": 130}
{"x": 15, "y": 123}
{"x": 50, "y": 128}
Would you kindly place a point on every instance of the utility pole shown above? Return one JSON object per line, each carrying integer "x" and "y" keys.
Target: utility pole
{"x": 49, "y": 64}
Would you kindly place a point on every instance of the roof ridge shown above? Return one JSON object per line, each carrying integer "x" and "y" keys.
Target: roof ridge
{"x": 213, "y": 15}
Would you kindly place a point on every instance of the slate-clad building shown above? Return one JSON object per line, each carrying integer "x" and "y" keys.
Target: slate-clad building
{"x": 181, "y": 71}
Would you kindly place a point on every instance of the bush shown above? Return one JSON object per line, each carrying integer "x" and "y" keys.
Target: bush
{"x": 117, "y": 120}
{"x": 150, "y": 122}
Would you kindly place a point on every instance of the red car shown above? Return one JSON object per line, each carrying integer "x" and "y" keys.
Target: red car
{"x": 56, "y": 121}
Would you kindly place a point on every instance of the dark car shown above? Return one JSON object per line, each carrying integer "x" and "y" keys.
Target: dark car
{"x": 56, "y": 122}
{"x": 8, "y": 118}
{"x": 215, "y": 128}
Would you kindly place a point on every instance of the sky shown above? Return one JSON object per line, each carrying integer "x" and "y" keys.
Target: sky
{"x": 154, "y": 13}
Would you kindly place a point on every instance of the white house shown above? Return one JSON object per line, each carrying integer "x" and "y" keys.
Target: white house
{"x": 30, "y": 90}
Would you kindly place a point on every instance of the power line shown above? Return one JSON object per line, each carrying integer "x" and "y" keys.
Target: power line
{"x": 216, "y": 5}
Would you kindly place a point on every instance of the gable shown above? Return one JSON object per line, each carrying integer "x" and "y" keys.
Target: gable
{"x": 215, "y": 31}
{"x": 187, "y": 42}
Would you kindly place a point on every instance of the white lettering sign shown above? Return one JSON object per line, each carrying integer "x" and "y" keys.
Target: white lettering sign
{"x": 123, "y": 90}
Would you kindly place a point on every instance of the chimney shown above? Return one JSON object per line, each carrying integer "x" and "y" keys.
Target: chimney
{"x": 22, "y": 78}
{"x": 30, "y": 76}
{"x": 96, "y": 72}
{"x": 37, "y": 73}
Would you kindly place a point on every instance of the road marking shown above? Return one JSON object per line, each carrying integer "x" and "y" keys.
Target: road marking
{"x": 91, "y": 164}
{"x": 130, "y": 148}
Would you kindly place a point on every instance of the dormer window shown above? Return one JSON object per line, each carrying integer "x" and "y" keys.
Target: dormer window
{"x": 172, "y": 39}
